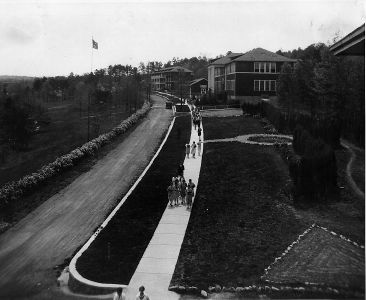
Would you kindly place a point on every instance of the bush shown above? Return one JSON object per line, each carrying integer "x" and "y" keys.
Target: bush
{"x": 314, "y": 169}
{"x": 13, "y": 190}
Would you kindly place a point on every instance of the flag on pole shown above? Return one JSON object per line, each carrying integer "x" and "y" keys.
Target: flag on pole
{"x": 95, "y": 44}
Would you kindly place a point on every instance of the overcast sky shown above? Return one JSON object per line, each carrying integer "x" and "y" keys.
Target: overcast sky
{"x": 47, "y": 38}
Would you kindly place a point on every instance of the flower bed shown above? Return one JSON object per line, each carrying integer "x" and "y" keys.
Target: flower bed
{"x": 14, "y": 190}
{"x": 118, "y": 248}
{"x": 270, "y": 139}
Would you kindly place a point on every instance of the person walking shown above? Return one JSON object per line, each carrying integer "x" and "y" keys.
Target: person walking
{"x": 199, "y": 132}
{"x": 141, "y": 295}
{"x": 183, "y": 191}
{"x": 193, "y": 149}
{"x": 188, "y": 148}
{"x": 191, "y": 184}
{"x": 180, "y": 170}
{"x": 199, "y": 120}
{"x": 118, "y": 295}
{"x": 175, "y": 193}
{"x": 190, "y": 194}
{"x": 170, "y": 194}
{"x": 199, "y": 147}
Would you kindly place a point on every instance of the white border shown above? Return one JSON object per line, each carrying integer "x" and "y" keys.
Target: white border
{"x": 72, "y": 266}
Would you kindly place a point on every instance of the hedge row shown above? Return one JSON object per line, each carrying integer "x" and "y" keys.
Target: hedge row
{"x": 326, "y": 127}
{"x": 14, "y": 190}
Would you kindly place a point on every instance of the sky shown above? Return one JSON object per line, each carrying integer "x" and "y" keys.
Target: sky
{"x": 50, "y": 38}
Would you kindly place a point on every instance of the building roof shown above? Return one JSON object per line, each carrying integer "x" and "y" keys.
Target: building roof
{"x": 352, "y": 44}
{"x": 260, "y": 54}
{"x": 225, "y": 59}
{"x": 197, "y": 80}
{"x": 174, "y": 69}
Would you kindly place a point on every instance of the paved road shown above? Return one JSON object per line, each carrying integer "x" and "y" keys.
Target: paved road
{"x": 52, "y": 232}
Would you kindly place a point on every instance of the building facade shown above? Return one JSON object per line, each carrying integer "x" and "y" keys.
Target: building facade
{"x": 253, "y": 74}
{"x": 216, "y": 73}
{"x": 198, "y": 87}
{"x": 174, "y": 80}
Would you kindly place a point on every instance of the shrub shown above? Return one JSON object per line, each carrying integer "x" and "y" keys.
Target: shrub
{"x": 314, "y": 169}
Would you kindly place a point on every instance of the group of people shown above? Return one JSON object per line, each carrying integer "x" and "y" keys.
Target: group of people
{"x": 195, "y": 147}
{"x": 192, "y": 149}
{"x": 179, "y": 191}
{"x": 196, "y": 117}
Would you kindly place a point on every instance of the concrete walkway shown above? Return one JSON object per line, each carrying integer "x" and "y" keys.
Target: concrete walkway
{"x": 157, "y": 265}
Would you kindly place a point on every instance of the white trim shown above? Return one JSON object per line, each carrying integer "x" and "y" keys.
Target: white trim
{"x": 72, "y": 266}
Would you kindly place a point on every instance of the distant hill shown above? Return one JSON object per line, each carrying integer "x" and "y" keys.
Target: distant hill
{"x": 11, "y": 78}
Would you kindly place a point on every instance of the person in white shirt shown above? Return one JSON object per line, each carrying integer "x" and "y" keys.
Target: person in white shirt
{"x": 142, "y": 295}
{"x": 118, "y": 295}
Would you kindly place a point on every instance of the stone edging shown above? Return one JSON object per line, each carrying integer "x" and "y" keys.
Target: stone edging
{"x": 297, "y": 241}
{"x": 246, "y": 139}
{"x": 74, "y": 274}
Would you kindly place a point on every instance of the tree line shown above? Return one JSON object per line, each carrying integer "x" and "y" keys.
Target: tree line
{"x": 325, "y": 87}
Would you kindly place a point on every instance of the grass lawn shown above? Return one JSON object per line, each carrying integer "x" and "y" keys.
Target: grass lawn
{"x": 228, "y": 127}
{"x": 66, "y": 131}
{"x": 26, "y": 204}
{"x": 131, "y": 229}
{"x": 237, "y": 227}
{"x": 241, "y": 221}
{"x": 182, "y": 108}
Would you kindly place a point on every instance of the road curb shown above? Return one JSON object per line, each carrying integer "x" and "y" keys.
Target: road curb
{"x": 76, "y": 281}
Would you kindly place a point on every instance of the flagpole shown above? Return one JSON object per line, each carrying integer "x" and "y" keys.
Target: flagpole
{"x": 91, "y": 66}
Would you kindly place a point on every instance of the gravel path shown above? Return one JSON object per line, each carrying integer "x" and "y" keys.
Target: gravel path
{"x": 350, "y": 180}
{"x": 57, "y": 228}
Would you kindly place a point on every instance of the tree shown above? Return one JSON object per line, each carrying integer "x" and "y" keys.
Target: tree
{"x": 16, "y": 124}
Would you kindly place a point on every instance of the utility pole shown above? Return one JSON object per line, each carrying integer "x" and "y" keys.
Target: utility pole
{"x": 89, "y": 116}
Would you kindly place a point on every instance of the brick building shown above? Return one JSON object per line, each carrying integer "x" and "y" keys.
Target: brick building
{"x": 252, "y": 75}
{"x": 174, "y": 80}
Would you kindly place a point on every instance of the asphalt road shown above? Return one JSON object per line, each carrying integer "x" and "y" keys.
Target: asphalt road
{"x": 62, "y": 224}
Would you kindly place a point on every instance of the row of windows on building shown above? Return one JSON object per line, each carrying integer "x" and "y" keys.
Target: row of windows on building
{"x": 265, "y": 85}
{"x": 259, "y": 85}
{"x": 259, "y": 67}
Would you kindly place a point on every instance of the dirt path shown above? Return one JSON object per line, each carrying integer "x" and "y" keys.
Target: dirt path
{"x": 52, "y": 233}
{"x": 350, "y": 180}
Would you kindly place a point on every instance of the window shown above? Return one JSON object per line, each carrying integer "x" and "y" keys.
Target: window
{"x": 273, "y": 85}
{"x": 261, "y": 85}
{"x": 256, "y": 67}
{"x": 267, "y": 67}
{"x": 230, "y": 85}
{"x": 256, "y": 85}
{"x": 273, "y": 67}
{"x": 261, "y": 67}
{"x": 264, "y": 85}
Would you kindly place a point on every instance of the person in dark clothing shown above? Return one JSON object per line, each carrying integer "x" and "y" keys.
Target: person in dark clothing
{"x": 180, "y": 170}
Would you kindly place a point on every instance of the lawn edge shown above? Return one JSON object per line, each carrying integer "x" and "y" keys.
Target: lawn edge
{"x": 75, "y": 278}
